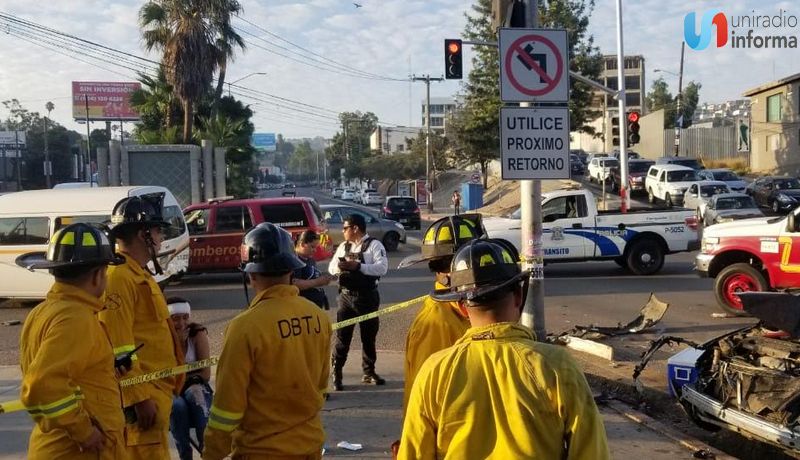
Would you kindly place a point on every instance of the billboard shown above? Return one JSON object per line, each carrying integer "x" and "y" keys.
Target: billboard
{"x": 108, "y": 100}
{"x": 264, "y": 141}
{"x": 11, "y": 143}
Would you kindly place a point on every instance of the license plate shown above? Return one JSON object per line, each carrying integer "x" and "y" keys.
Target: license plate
{"x": 403, "y": 221}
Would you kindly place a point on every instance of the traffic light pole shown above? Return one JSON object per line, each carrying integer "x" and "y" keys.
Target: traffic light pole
{"x": 678, "y": 113}
{"x": 531, "y": 244}
{"x": 623, "y": 119}
{"x": 428, "y": 183}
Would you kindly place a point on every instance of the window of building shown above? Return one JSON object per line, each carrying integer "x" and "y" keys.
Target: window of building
{"x": 24, "y": 230}
{"x": 437, "y": 121}
{"x": 632, "y": 63}
{"x": 632, "y": 82}
{"x": 437, "y": 108}
{"x": 611, "y": 64}
{"x": 400, "y": 147}
{"x": 611, "y": 82}
{"x": 633, "y": 99}
{"x": 774, "y": 108}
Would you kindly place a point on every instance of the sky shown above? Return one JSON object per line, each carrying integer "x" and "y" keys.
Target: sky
{"x": 387, "y": 38}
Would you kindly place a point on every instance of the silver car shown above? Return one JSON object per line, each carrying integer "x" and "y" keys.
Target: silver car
{"x": 697, "y": 195}
{"x": 389, "y": 232}
{"x": 727, "y": 207}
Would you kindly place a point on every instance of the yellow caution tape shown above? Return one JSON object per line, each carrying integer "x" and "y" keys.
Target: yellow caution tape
{"x": 15, "y": 406}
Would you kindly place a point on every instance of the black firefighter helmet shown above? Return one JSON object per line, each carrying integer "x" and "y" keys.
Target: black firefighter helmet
{"x": 144, "y": 211}
{"x": 479, "y": 268}
{"x": 76, "y": 245}
{"x": 269, "y": 249}
{"x": 444, "y": 236}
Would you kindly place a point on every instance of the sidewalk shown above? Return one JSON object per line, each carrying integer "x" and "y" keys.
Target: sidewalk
{"x": 371, "y": 416}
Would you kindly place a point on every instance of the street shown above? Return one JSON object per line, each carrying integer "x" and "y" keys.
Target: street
{"x": 598, "y": 293}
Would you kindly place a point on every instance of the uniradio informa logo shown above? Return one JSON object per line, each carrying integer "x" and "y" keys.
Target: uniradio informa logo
{"x": 714, "y": 24}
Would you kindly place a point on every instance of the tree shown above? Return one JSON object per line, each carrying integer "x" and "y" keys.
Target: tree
{"x": 438, "y": 147}
{"x": 186, "y": 32}
{"x": 350, "y": 151}
{"x": 227, "y": 42}
{"x": 155, "y": 102}
{"x": 691, "y": 97}
{"x": 659, "y": 98}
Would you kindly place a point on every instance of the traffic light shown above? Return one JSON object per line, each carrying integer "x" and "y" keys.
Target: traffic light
{"x": 452, "y": 59}
{"x": 633, "y": 127}
{"x": 615, "y": 131}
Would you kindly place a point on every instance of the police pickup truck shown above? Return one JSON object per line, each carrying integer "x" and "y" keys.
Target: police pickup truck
{"x": 574, "y": 230}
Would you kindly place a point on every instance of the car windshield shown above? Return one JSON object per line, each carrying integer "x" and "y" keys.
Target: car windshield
{"x": 787, "y": 184}
{"x": 725, "y": 175}
{"x": 741, "y": 202}
{"x": 682, "y": 176}
{"x": 609, "y": 163}
{"x": 711, "y": 190}
{"x": 639, "y": 167}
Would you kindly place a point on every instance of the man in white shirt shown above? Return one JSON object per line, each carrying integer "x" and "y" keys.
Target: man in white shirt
{"x": 359, "y": 262}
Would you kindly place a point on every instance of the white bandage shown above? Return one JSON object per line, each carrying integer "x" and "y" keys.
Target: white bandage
{"x": 179, "y": 308}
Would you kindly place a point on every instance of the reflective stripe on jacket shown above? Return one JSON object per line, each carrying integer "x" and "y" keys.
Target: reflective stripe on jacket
{"x": 438, "y": 325}
{"x": 271, "y": 375}
{"x": 497, "y": 393}
{"x": 67, "y": 372}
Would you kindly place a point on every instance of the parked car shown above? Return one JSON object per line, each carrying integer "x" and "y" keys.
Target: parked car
{"x": 697, "y": 196}
{"x": 779, "y": 193}
{"x": 682, "y": 161}
{"x": 216, "y": 228}
{"x": 361, "y": 195}
{"x": 337, "y": 192}
{"x": 577, "y": 231}
{"x": 576, "y": 166}
{"x": 735, "y": 183}
{"x": 582, "y": 155}
{"x": 727, "y": 207}
{"x": 348, "y": 194}
{"x": 592, "y": 156}
{"x": 669, "y": 182}
{"x": 402, "y": 209}
{"x": 373, "y": 198}
{"x": 600, "y": 168}
{"x": 637, "y": 172}
{"x": 389, "y": 232}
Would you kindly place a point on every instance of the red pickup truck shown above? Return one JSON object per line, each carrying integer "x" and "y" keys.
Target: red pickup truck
{"x": 758, "y": 254}
{"x": 216, "y": 228}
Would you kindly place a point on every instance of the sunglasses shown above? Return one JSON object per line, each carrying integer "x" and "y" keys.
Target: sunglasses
{"x": 346, "y": 227}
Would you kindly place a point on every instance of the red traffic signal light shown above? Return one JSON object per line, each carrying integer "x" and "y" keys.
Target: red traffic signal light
{"x": 452, "y": 59}
{"x": 633, "y": 128}
{"x": 633, "y": 117}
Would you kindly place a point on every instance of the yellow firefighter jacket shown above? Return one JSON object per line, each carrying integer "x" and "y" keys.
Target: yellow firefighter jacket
{"x": 136, "y": 313}
{"x": 499, "y": 394}
{"x": 438, "y": 325}
{"x": 68, "y": 381}
{"x": 272, "y": 372}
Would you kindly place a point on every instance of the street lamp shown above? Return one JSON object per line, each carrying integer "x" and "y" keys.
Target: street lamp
{"x": 678, "y": 113}
{"x": 240, "y": 79}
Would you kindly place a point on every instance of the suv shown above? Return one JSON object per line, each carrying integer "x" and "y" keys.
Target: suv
{"x": 682, "y": 161}
{"x": 668, "y": 183}
{"x": 637, "y": 172}
{"x": 402, "y": 209}
{"x": 216, "y": 228}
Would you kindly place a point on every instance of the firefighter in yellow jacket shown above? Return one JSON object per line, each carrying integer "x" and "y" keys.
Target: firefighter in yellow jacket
{"x": 274, "y": 365}
{"x": 68, "y": 381}
{"x": 438, "y": 324}
{"x": 136, "y": 314}
{"x": 497, "y": 383}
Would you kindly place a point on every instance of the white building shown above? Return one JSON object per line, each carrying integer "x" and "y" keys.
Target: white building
{"x": 441, "y": 108}
{"x": 391, "y": 140}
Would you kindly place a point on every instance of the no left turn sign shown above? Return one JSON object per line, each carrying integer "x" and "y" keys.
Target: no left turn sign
{"x": 534, "y": 65}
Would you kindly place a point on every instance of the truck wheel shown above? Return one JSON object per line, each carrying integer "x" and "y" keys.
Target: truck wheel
{"x": 391, "y": 241}
{"x": 645, "y": 257}
{"x": 735, "y": 279}
{"x": 650, "y": 197}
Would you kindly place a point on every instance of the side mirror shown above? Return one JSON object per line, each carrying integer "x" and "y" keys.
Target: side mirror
{"x": 201, "y": 222}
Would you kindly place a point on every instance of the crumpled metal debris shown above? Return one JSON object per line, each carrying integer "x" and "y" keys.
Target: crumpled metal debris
{"x": 655, "y": 345}
{"x": 649, "y": 316}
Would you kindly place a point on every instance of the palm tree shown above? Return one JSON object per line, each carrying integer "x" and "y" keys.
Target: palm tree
{"x": 227, "y": 42}
{"x": 184, "y": 32}
{"x": 155, "y": 101}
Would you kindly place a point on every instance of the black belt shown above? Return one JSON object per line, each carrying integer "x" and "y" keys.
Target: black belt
{"x": 357, "y": 292}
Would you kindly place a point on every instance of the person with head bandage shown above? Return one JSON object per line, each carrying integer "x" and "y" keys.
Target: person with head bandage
{"x": 190, "y": 407}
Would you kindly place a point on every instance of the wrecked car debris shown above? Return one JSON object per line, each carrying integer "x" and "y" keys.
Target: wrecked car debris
{"x": 650, "y": 314}
{"x": 747, "y": 380}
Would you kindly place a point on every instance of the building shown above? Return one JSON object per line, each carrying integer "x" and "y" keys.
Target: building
{"x": 391, "y": 140}
{"x": 775, "y": 126}
{"x": 441, "y": 108}
{"x": 725, "y": 113}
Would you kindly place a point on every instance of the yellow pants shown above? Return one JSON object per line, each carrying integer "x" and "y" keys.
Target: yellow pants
{"x": 272, "y": 457}
{"x": 57, "y": 445}
{"x": 152, "y": 444}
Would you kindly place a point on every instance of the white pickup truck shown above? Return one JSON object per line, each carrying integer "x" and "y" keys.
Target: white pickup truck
{"x": 573, "y": 230}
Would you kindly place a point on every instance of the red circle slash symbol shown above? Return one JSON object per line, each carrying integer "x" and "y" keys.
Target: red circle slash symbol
{"x": 535, "y": 63}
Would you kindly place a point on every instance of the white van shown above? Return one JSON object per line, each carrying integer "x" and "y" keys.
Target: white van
{"x": 28, "y": 220}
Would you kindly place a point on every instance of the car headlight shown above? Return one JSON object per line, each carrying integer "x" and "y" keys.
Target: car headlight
{"x": 722, "y": 220}
{"x": 709, "y": 243}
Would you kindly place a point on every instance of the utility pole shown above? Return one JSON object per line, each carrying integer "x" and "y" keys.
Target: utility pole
{"x": 88, "y": 142}
{"x": 428, "y": 183}
{"x": 48, "y": 170}
{"x": 678, "y": 113}
{"x": 19, "y": 158}
{"x": 623, "y": 118}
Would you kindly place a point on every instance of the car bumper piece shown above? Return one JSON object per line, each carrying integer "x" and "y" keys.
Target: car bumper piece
{"x": 701, "y": 263}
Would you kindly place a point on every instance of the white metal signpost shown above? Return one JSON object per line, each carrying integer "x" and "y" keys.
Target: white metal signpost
{"x": 534, "y": 65}
{"x": 534, "y": 143}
